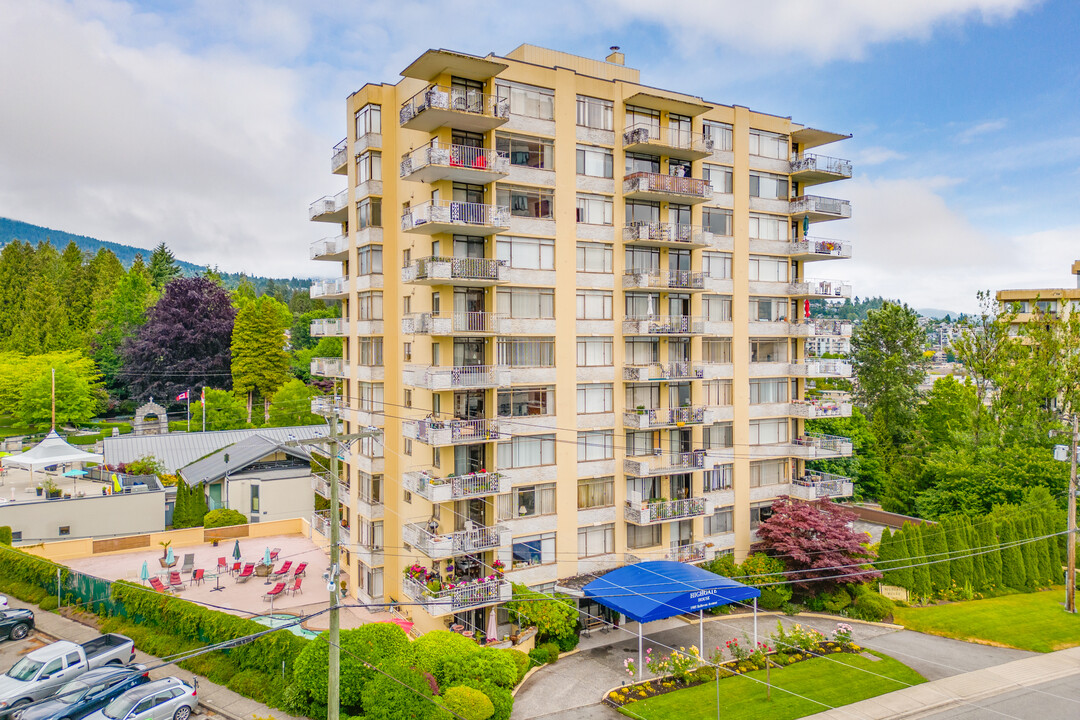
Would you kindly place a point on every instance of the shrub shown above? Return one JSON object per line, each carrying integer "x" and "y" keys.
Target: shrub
{"x": 250, "y": 683}
{"x": 469, "y": 703}
{"x": 567, "y": 643}
{"x": 771, "y": 600}
{"x": 437, "y": 652}
{"x": 223, "y": 517}
{"x": 375, "y": 643}
{"x": 396, "y": 692}
{"x": 872, "y": 606}
{"x": 483, "y": 664}
{"x": 555, "y": 617}
{"x": 836, "y": 601}
{"x": 521, "y": 660}
{"x": 5, "y": 535}
{"x": 500, "y": 698}
{"x": 552, "y": 650}
{"x": 48, "y": 603}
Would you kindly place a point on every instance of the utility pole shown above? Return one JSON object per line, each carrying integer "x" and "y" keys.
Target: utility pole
{"x": 1070, "y": 548}
{"x": 54, "y": 398}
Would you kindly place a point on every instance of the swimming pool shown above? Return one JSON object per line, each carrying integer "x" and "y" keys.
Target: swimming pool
{"x": 273, "y": 621}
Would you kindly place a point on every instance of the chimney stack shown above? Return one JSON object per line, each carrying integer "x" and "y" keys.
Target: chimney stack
{"x": 616, "y": 57}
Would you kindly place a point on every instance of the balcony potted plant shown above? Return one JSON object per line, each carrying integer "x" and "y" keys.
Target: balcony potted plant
{"x": 499, "y": 567}
{"x": 51, "y": 489}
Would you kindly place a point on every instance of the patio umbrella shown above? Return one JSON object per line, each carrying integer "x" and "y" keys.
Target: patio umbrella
{"x": 145, "y": 575}
{"x": 170, "y": 559}
{"x": 75, "y": 473}
{"x": 266, "y": 562}
{"x": 266, "y": 557}
{"x": 236, "y": 551}
{"x": 492, "y": 631}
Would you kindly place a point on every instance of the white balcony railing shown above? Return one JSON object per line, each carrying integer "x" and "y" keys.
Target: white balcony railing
{"x": 648, "y": 512}
{"x": 455, "y": 99}
{"x": 451, "y": 432}
{"x": 328, "y": 205}
{"x": 813, "y": 486}
{"x": 823, "y": 207}
{"x": 454, "y": 487}
{"x": 465, "y": 157}
{"x": 453, "y": 213}
{"x": 664, "y": 464}
{"x": 661, "y": 417}
{"x": 455, "y": 268}
{"x": 335, "y": 287}
{"x": 455, "y": 322}
{"x": 329, "y": 367}
{"x": 821, "y": 246}
{"x": 663, "y": 325}
{"x": 463, "y": 596}
{"x": 821, "y": 288}
{"x": 672, "y": 138}
{"x": 832, "y": 328}
{"x": 825, "y": 443}
{"x": 658, "y": 232}
{"x": 809, "y": 162}
{"x": 329, "y": 327}
{"x": 438, "y": 546}
{"x": 820, "y": 408}
{"x": 688, "y": 553}
{"x": 340, "y": 155}
{"x": 662, "y": 279}
{"x": 329, "y": 246}
{"x": 456, "y": 377}
{"x": 663, "y": 371}
{"x": 822, "y": 368}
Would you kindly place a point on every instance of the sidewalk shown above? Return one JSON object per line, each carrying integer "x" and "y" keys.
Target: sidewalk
{"x": 216, "y": 699}
{"x": 954, "y": 692}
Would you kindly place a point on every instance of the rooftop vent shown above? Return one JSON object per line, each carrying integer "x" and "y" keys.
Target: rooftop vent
{"x": 616, "y": 57}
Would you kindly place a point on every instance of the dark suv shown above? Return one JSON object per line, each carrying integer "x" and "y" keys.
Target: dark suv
{"x": 16, "y": 624}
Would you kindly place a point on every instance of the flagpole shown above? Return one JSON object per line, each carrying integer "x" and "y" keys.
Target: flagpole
{"x": 203, "y": 399}
{"x": 188, "y": 398}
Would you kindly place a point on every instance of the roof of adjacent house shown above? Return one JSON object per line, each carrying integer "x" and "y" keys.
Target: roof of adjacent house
{"x": 241, "y": 455}
{"x": 176, "y": 449}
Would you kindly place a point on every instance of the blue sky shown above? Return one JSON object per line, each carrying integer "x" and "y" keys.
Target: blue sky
{"x": 209, "y": 124}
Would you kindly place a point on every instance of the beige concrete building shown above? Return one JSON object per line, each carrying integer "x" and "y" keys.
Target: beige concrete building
{"x": 1055, "y": 301}
{"x": 575, "y": 305}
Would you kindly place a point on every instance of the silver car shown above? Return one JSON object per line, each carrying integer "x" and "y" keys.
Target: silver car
{"x": 168, "y": 699}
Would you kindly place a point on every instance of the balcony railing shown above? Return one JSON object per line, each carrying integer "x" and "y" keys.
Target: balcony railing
{"x": 820, "y": 208}
{"x": 439, "y": 270}
{"x": 663, "y": 234}
{"x": 657, "y": 186}
{"x": 463, "y": 596}
{"x": 813, "y": 486}
{"x": 446, "y": 215}
{"x": 438, "y": 101}
{"x": 329, "y": 367}
{"x": 329, "y": 327}
{"x": 451, "y": 432}
{"x": 664, "y": 279}
{"x": 821, "y": 246}
{"x": 678, "y": 143}
{"x": 331, "y": 248}
{"x": 822, "y": 368}
{"x": 455, "y": 377}
{"x": 820, "y": 408}
{"x": 453, "y": 487}
{"x": 825, "y": 443}
{"x": 467, "y": 323}
{"x": 663, "y": 417}
{"x": 664, "y": 464}
{"x": 320, "y": 483}
{"x": 438, "y": 546}
{"x": 330, "y": 208}
{"x": 823, "y": 165}
{"x": 339, "y": 158}
{"x": 663, "y": 325}
{"x": 821, "y": 288}
{"x": 334, "y": 288}
{"x": 462, "y": 162}
{"x": 663, "y": 371}
{"x": 689, "y": 553}
{"x": 648, "y": 512}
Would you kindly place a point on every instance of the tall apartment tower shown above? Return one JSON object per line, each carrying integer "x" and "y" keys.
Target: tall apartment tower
{"x": 578, "y": 308}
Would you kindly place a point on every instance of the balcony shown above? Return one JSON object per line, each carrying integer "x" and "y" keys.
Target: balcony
{"x": 339, "y": 158}
{"x": 330, "y": 208}
{"x": 454, "y": 487}
{"x": 666, "y": 188}
{"x": 324, "y": 405}
{"x": 331, "y": 248}
{"x": 677, "y": 280}
{"x": 820, "y": 409}
{"x": 645, "y": 419}
{"x": 681, "y": 144}
{"x": 335, "y": 289}
{"x": 459, "y": 163}
{"x": 822, "y": 368}
{"x": 663, "y": 325}
{"x": 321, "y": 524}
{"x": 822, "y": 446}
{"x": 811, "y": 169}
{"x": 461, "y": 271}
{"x": 814, "y": 486}
{"x": 330, "y": 367}
{"x": 456, "y": 377}
{"x": 658, "y": 234}
{"x": 819, "y": 208}
{"x": 440, "y": 433}
{"x": 448, "y": 216}
{"x": 320, "y": 483}
{"x": 651, "y": 512}
{"x": 832, "y": 328}
{"x": 455, "y": 323}
{"x": 664, "y": 464}
{"x": 329, "y": 327}
{"x": 661, "y": 372}
{"x": 439, "y": 546}
{"x": 467, "y": 596}
{"x": 827, "y": 289}
{"x": 812, "y": 248}
{"x": 460, "y": 108}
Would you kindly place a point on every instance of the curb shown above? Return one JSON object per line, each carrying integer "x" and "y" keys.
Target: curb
{"x": 777, "y": 613}
{"x": 532, "y": 671}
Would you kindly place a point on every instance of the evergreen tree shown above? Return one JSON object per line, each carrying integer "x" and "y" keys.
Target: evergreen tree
{"x": 961, "y": 567}
{"x": 886, "y": 558}
{"x": 978, "y": 558}
{"x": 924, "y": 588}
{"x": 260, "y": 363}
{"x": 937, "y": 552}
{"x": 1028, "y": 552}
{"x": 989, "y": 540}
{"x": 42, "y": 325}
{"x": 163, "y": 267}
{"x": 76, "y": 293}
{"x": 904, "y": 556}
{"x": 1013, "y": 572}
{"x": 16, "y": 259}
{"x": 118, "y": 317}
{"x": 1047, "y": 571}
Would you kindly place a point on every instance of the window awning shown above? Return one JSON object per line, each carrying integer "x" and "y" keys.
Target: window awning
{"x": 661, "y": 589}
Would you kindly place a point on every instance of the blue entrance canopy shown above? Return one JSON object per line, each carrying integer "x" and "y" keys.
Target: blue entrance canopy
{"x": 661, "y": 589}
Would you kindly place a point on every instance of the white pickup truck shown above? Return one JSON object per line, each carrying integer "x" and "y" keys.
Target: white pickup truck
{"x": 41, "y": 673}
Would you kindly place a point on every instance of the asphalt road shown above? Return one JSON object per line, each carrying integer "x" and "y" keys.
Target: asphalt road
{"x": 1054, "y": 700}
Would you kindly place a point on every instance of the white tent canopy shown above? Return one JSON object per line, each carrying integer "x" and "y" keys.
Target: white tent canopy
{"x": 53, "y": 450}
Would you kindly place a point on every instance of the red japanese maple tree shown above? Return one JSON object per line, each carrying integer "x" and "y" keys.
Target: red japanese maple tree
{"x": 815, "y": 541}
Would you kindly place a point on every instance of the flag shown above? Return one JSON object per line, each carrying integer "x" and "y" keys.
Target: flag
{"x": 202, "y": 395}
{"x": 182, "y": 396}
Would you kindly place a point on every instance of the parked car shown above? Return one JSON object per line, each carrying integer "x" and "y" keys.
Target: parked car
{"x": 168, "y": 699}
{"x": 41, "y": 673}
{"x": 3, "y": 602}
{"x": 16, "y": 624}
{"x": 91, "y": 692}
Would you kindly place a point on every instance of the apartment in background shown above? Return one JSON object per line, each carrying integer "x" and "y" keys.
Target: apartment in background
{"x": 576, "y": 306}
{"x": 1054, "y": 301}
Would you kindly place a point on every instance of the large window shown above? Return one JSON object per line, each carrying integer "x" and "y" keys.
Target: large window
{"x": 595, "y": 113}
{"x": 596, "y": 398}
{"x": 718, "y": 436}
{"x": 767, "y": 185}
{"x": 595, "y": 161}
{"x": 525, "y": 402}
{"x": 596, "y": 540}
{"x": 768, "y": 432}
{"x": 529, "y": 501}
{"x": 768, "y": 227}
{"x": 369, "y": 351}
{"x": 526, "y": 202}
{"x": 764, "y": 309}
{"x": 718, "y": 392}
{"x": 768, "y": 472}
{"x": 594, "y": 351}
{"x": 721, "y": 521}
{"x": 641, "y": 351}
{"x": 594, "y": 305}
{"x": 533, "y": 550}
{"x": 639, "y": 117}
{"x": 767, "y": 144}
{"x": 719, "y": 478}
{"x": 527, "y": 151}
{"x": 768, "y": 350}
{"x": 526, "y": 352}
{"x": 368, "y": 167}
{"x": 594, "y": 257}
{"x": 527, "y": 451}
{"x": 719, "y": 133}
{"x": 642, "y": 536}
{"x": 641, "y": 163}
{"x": 528, "y": 303}
{"x": 640, "y": 443}
{"x": 526, "y": 253}
{"x": 595, "y": 492}
{"x": 768, "y": 269}
{"x": 370, "y": 397}
{"x": 527, "y": 100}
{"x": 759, "y": 512}
{"x": 716, "y": 265}
{"x": 595, "y": 445}
{"x": 368, "y": 120}
{"x": 718, "y": 176}
{"x": 369, "y": 212}
{"x": 369, "y": 260}
{"x": 716, "y": 221}
{"x": 768, "y": 390}
{"x": 594, "y": 209}
{"x": 369, "y": 306}
{"x": 716, "y": 308}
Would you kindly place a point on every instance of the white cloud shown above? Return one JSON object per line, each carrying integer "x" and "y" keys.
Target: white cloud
{"x": 876, "y": 155}
{"x": 974, "y": 132}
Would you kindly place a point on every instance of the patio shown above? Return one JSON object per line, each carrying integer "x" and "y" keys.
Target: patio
{"x": 240, "y": 598}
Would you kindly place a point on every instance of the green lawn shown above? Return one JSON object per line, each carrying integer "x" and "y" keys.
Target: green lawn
{"x": 1028, "y": 621}
{"x": 834, "y": 680}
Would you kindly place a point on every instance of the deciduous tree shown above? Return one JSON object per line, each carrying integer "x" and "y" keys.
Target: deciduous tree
{"x": 292, "y": 406}
{"x": 224, "y": 411}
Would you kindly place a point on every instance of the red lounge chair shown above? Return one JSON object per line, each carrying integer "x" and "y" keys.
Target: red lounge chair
{"x": 274, "y": 591}
{"x": 274, "y": 552}
{"x": 157, "y": 585}
{"x": 296, "y": 586}
{"x": 222, "y": 565}
{"x": 301, "y": 570}
{"x": 249, "y": 570}
{"x": 175, "y": 581}
{"x": 197, "y": 577}
{"x": 235, "y": 567}
{"x": 283, "y": 570}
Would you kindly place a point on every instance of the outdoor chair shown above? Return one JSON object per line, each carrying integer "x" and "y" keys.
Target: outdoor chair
{"x": 249, "y": 570}
{"x": 235, "y": 567}
{"x": 156, "y": 584}
{"x": 189, "y": 563}
{"x": 301, "y": 570}
{"x": 274, "y": 591}
{"x": 222, "y": 565}
{"x": 296, "y": 586}
{"x": 197, "y": 577}
{"x": 283, "y": 570}
{"x": 175, "y": 581}
{"x": 274, "y": 552}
